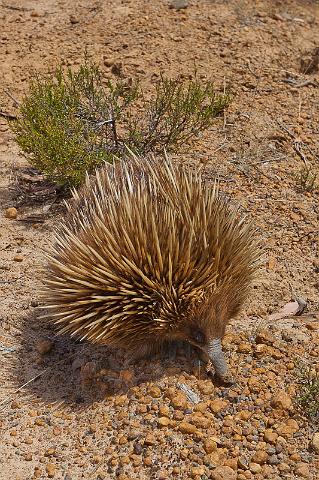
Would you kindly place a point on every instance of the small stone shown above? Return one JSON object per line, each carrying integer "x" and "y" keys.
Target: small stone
{"x": 284, "y": 467}
{"x": 11, "y": 213}
{"x": 223, "y": 473}
{"x": 74, "y": 19}
{"x": 242, "y": 463}
{"x": 206, "y": 387}
{"x": 122, "y": 440}
{"x": 289, "y": 428}
{"x": 254, "y": 467}
{"x": 244, "y": 415}
{"x": 270, "y": 436}
{"x": 163, "y": 475}
{"x": 18, "y": 258}
{"x": 108, "y": 62}
{"x": 138, "y": 449}
{"x": 210, "y": 446}
{"x": 148, "y": 461}
{"x": 50, "y": 469}
{"x": 163, "y": 422}
{"x": 315, "y": 442}
{"x": 197, "y": 471}
{"x": 28, "y": 457}
{"x": 302, "y": 470}
{"x": 49, "y": 452}
{"x": 44, "y": 346}
{"x": 260, "y": 457}
{"x": 201, "y": 407}
{"x": 179, "y": 401}
{"x": 312, "y": 326}
{"x": 149, "y": 440}
{"x": 244, "y": 347}
{"x": 232, "y": 463}
{"x": 37, "y": 472}
{"x": 273, "y": 460}
{"x": 39, "y": 422}
{"x": 295, "y": 457}
{"x": 97, "y": 459}
{"x": 218, "y": 405}
{"x": 265, "y": 337}
{"x": 179, "y": 4}
{"x": 186, "y": 427}
{"x": 155, "y": 392}
{"x": 281, "y": 400}
{"x": 164, "y": 411}
{"x": 200, "y": 421}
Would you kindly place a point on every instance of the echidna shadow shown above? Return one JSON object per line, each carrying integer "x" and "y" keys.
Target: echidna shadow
{"x": 65, "y": 373}
{"x": 150, "y": 253}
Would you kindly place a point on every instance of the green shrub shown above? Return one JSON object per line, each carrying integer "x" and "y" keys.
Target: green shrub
{"x": 307, "y": 397}
{"x": 72, "y": 123}
{"x": 306, "y": 179}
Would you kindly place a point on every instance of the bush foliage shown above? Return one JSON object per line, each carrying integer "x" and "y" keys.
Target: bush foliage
{"x": 72, "y": 123}
{"x": 307, "y": 398}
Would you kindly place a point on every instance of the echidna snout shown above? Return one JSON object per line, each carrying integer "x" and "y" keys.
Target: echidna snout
{"x": 149, "y": 252}
{"x": 204, "y": 331}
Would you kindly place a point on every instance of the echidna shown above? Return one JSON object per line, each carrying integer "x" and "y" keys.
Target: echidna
{"x": 150, "y": 253}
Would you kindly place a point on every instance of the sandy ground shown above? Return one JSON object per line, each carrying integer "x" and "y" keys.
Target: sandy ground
{"x": 84, "y": 412}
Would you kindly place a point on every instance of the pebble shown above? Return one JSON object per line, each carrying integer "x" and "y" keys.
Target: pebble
{"x": 273, "y": 460}
{"x": 18, "y": 258}
{"x": 44, "y": 346}
{"x": 265, "y": 337}
{"x": 281, "y": 400}
{"x": 242, "y": 463}
{"x": 315, "y": 442}
{"x": 302, "y": 470}
{"x": 50, "y": 469}
{"x": 206, "y": 387}
{"x": 163, "y": 422}
{"x": 245, "y": 347}
{"x": 179, "y": 4}
{"x": 155, "y": 392}
{"x": 185, "y": 427}
{"x": 223, "y": 473}
{"x": 200, "y": 421}
{"x": 260, "y": 457}
{"x": 197, "y": 471}
{"x": 270, "y": 436}
{"x": 11, "y": 213}
{"x": 179, "y": 401}
{"x": 210, "y": 446}
{"x": 254, "y": 467}
{"x": 149, "y": 440}
{"x": 74, "y": 19}
{"x": 288, "y": 428}
{"x": 218, "y": 405}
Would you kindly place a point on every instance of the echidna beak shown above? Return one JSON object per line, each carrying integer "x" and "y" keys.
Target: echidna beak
{"x": 217, "y": 358}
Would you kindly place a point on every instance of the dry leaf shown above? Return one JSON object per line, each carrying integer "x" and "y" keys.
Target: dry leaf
{"x": 290, "y": 309}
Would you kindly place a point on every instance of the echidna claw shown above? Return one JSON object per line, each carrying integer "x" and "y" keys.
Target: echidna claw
{"x": 228, "y": 380}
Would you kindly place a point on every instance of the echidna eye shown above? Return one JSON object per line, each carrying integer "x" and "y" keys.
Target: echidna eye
{"x": 199, "y": 337}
